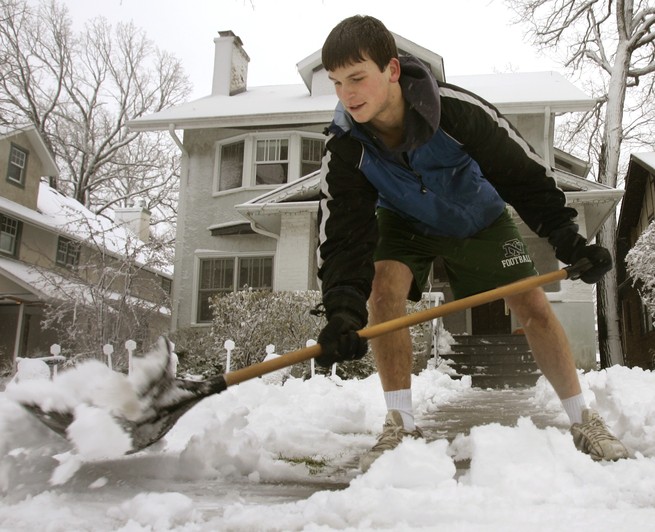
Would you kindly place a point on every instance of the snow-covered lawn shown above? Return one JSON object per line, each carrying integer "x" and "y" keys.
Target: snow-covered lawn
{"x": 267, "y": 457}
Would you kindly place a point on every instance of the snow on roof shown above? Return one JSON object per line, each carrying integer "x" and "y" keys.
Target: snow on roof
{"x": 45, "y": 284}
{"x": 62, "y": 214}
{"x": 647, "y": 159}
{"x": 288, "y": 104}
{"x": 42, "y": 151}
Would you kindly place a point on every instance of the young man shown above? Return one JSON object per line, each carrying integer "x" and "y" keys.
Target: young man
{"x": 416, "y": 170}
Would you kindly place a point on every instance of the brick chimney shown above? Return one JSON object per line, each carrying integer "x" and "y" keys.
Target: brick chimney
{"x": 136, "y": 219}
{"x": 230, "y": 65}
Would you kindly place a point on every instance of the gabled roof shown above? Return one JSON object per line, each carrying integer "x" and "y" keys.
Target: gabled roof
{"x": 636, "y": 179}
{"x": 312, "y": 63}
{"x": 597, "y": 201}
{"x": 42, "y": 152}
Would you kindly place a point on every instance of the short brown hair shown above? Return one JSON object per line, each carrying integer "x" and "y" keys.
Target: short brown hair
{"x": 357, "y": 36}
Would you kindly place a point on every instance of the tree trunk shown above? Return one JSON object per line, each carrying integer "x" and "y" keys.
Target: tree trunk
{"x": 609, "y": 333}
{"x": 607, "y": 308}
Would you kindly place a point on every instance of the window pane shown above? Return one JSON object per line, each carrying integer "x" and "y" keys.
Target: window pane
{"x": 231, "y": 168}
{"x": 216, "y": 277}
{"x": 312, "y": 154}
{"x": 256, "y": 272}
{"x": 272, "y": 174}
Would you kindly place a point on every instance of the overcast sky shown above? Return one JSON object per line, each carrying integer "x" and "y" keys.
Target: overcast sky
{"x": 473, "y": 36}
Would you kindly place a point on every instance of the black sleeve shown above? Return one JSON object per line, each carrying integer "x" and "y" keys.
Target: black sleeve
{"x": 521, "y": 177}
{"x": 346, "y": 217}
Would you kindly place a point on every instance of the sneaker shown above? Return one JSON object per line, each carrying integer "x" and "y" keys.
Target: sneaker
{"x": 594, "y": 438}
{"x": 393, "y": 433}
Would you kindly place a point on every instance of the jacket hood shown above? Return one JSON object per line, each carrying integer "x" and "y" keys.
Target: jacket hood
{"x": 421, "y": 94}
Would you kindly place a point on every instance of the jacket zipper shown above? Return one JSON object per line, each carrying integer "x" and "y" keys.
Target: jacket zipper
{"x": 424, "y": 189}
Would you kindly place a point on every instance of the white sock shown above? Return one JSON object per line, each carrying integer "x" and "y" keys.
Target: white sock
{"x": 574, "y": 407}
{"x": 401, "y": 400}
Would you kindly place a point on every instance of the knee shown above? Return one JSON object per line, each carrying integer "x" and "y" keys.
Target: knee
{"x": 531, "y": 307}
{"x": 389, "y": 290}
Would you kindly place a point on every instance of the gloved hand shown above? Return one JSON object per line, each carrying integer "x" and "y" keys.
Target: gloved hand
{"x": 346, "y": 312}
{"x": 571, "y": 248}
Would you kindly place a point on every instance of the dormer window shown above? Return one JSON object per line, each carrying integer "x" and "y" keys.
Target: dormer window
{"x": 266, "y": 159}
{"x": 17, "y": 165}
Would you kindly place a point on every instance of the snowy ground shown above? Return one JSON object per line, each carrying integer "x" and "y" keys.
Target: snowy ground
{"x": 261, "y": 456}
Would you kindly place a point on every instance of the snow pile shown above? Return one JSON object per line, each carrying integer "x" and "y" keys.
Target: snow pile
{"x": 98, "y": 399}
{"x": 228, "y": 463}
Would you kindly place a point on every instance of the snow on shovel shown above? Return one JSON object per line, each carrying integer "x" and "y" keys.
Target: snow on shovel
{"x": 155, "y": 399}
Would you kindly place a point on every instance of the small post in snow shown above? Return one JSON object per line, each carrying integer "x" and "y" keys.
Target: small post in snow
{"x": 130, "y": 345}
{"x": 55, "y": 350}
{"x": 312, "y": 363}
{"x": 108, "y": 350}
{"x": 229, "y": 347}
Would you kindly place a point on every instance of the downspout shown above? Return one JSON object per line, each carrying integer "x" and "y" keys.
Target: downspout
{"x": 547, "y": 149}
{"x": 184, "y": 181}
{"x": 19, "y": 332}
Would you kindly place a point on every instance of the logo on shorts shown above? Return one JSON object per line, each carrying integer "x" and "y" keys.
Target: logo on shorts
{"x": 514, "y": 253}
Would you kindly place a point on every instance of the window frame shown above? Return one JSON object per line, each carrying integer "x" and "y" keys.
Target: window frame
{"x": 236, "y": 265}
{"x": 15, "y": 237}
{"x": 10, "y": 164}
{"x": 72, "y": 250}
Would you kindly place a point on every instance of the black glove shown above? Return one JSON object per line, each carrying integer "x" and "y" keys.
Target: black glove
{"x": 346, "y": 313}
{"x": 571, "y": 248}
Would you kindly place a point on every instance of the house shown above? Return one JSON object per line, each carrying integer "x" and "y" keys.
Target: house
{"x": 48, "y": 246}
{"x": 637, "y": 212}
{"x": 250, "y": 155}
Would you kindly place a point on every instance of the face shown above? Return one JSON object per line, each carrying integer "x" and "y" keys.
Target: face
{"x": 366, "y": 93}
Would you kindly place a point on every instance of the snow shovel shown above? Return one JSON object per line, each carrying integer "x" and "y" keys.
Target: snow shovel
{"x": 168, "y": 398}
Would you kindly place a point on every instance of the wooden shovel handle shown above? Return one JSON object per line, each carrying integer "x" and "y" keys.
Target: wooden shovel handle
{"x": 306, "y": 353}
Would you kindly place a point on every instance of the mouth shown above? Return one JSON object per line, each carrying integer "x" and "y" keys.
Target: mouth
{"x": 355, "y": 108}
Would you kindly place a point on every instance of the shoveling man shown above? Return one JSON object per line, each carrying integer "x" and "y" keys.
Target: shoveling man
{"x": 416, "y": 169}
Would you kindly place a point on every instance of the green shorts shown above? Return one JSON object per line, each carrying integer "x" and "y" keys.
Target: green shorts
{"x": 491, "y": 258}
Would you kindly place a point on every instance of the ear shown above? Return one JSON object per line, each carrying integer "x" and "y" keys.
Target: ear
{"x": 394, "y": 69}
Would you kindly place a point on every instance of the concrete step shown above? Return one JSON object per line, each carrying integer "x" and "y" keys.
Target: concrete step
{"x": 494, "y": 361}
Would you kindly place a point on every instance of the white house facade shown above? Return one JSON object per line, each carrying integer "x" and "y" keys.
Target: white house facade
{"x": 249, "y": 191}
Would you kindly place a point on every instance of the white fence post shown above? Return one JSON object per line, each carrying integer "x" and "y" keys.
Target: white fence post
{"x": 229, "y": 347}
{"x": 55, "y": 350}
{"x": 108, "y": 350}
{"x": 312, "y": 363}
{"x": 130, "y": 345}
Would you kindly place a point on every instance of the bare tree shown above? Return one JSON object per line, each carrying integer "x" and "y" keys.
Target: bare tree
{"x": 80, "y": 90}
{"x": 611, "y": 44}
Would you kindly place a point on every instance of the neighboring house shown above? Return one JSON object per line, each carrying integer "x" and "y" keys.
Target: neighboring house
{"x": 249, "y": 191}
{"x": 46, "y": 239}
{"x": 637, "y": 212}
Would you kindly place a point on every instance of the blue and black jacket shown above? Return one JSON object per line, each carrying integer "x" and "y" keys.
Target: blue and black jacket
{"x": 460, "y": 162}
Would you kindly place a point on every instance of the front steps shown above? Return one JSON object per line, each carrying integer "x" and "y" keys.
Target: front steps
{"x": 493, "y": 361}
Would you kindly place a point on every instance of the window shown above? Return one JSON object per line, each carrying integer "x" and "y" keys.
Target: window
{"x": 9, "y": 233}
{"x": 222, "y": 275}
{"x": 17, "y": 165}
{"x": 272, "y": 161}
{"x": 231, "y": 166}
{"x": 68, "y": 252}
{"x": 166, "y": 285}
{"x": 312, "y": 153}
{"x": 266, "y": 159}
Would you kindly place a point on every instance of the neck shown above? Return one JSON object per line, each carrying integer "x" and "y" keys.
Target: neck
{"x": 389, "y": 125}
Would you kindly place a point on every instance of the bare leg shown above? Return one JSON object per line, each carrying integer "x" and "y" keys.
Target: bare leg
{"x": 392, "y": 351}
{"x": 547, "y": 339}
